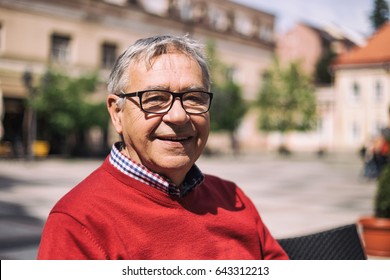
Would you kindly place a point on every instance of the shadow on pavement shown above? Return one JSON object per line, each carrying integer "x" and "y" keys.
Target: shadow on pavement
{"x": 8, "y": 182}
{"x": 19, "y": 232}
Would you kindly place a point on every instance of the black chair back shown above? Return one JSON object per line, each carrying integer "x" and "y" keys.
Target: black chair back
{"x": 341, "y": 243}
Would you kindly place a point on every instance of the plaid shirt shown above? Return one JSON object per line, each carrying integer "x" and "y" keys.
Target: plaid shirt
{"x": 139, "y": 172}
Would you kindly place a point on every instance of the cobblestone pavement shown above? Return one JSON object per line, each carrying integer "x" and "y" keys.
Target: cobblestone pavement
{"x": 295, "y": 195}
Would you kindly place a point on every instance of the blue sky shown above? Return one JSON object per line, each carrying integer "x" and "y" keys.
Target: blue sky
{"x": 351, "y": 14}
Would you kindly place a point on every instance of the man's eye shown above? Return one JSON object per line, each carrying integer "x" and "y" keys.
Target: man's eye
{"x": 156, "y": 98}
{"x": 196, "y": 98}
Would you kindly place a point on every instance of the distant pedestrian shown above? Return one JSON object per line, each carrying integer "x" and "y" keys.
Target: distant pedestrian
{"x": 377, "y": 155}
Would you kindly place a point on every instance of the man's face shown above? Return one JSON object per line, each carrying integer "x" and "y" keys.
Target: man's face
{"x": 170, "y": 143}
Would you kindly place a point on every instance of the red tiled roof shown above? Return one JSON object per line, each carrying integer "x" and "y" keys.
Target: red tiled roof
{"x": 377, "y": 50}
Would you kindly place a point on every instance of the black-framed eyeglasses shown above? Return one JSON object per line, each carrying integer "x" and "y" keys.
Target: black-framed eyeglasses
{"x": 161, "y": 101}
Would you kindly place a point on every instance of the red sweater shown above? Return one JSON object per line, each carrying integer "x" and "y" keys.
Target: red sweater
{"x": 112, "y": 216}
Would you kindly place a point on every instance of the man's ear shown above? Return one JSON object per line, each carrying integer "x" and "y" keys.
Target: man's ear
{"x": 115, "y": 112}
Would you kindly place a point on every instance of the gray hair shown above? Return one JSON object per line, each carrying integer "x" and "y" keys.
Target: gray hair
{"x": 150, "y": 48}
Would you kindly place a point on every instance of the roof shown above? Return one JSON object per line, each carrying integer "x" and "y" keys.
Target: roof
{"x": 376, "y": 50}
{"x": 333, "y": 32}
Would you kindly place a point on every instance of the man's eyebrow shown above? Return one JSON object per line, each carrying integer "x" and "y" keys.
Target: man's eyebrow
{"x": 200, "y": 88}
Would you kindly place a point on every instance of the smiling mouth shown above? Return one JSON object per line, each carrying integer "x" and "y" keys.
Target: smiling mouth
{"x": 174, "y": 139}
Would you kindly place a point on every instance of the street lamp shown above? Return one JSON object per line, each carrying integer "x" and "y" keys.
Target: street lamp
{"x": 30, "y": 120}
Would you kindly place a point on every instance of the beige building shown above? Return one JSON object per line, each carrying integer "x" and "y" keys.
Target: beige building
{"x": 85, "y": 35}
{"x": 362, "y": 84}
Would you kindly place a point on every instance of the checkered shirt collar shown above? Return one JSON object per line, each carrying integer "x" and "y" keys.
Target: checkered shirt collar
{"x": 139, "y": 172}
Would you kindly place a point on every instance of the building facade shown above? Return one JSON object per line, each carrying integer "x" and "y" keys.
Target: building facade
{"x": 87, "y": 35}
{"x": 362, "y": 83}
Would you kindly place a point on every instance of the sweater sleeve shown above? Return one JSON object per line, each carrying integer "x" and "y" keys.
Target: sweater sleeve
{"x": 270, "y": 248}
{"x": 64, "y": 238}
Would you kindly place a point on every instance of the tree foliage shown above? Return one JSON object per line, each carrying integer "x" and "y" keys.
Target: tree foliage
{"x": 323, "y": 75}
{"x": 64, "y": 108}
{"x": 228, "y": 106}
{"x": 380, "y": 13}
{"x": 382, "y": 196}
{"x": 286, "y": 100}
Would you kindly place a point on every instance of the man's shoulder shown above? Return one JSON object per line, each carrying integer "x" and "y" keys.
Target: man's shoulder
{"x": 218, "y": 184}
{"x": 220, "y": 191}
{"x": 93, "y": 185}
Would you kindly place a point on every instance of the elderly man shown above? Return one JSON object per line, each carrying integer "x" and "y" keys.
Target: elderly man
{"x": 149, "y": 200}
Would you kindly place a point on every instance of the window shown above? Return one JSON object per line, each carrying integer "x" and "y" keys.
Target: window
{"x": 234, "y": 74}
{"x": 157, "y": 7}
{"x": 185, "y": 7}
{"x": 354, "y": 132}
{"x": 243, "y": 24}
{"x": 378, "y": 92}
{"x": 320, "y": 125}
{"x": 109, "y": 51}
{"x": 355, "y": 93}
{"x": 265, "y": 32}
{"x": 218, "y": 19}
{"x": 60, "y": 48}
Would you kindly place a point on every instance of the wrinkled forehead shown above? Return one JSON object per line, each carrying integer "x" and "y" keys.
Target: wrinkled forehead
{"x": 148, "y": 59}
{"x": 171, "y": 71}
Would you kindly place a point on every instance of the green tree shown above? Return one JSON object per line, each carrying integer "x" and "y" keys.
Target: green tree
{"x": 380, "y": 13}
{"x": 66, "y": 112}
{"x": 323, "y": 75}
{"x": 286, "y": 100}
{"x": 228, "y": 106}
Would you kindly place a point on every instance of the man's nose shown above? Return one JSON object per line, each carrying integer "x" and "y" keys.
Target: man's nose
{"x": 176, "y": 114}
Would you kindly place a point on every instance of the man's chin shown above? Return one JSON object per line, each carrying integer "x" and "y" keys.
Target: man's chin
{"x": 176, "y": 161}
{"x": 173, "y": 165}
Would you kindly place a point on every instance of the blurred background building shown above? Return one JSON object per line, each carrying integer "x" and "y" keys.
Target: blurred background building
{"x": 362, "y": 83}
{"x": 87, "y": 35}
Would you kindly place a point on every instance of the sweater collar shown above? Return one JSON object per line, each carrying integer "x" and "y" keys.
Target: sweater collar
{"x": 139, "y": 172}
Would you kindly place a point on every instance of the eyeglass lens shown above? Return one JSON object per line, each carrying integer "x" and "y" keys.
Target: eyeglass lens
{"x": 161, "y": 101}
